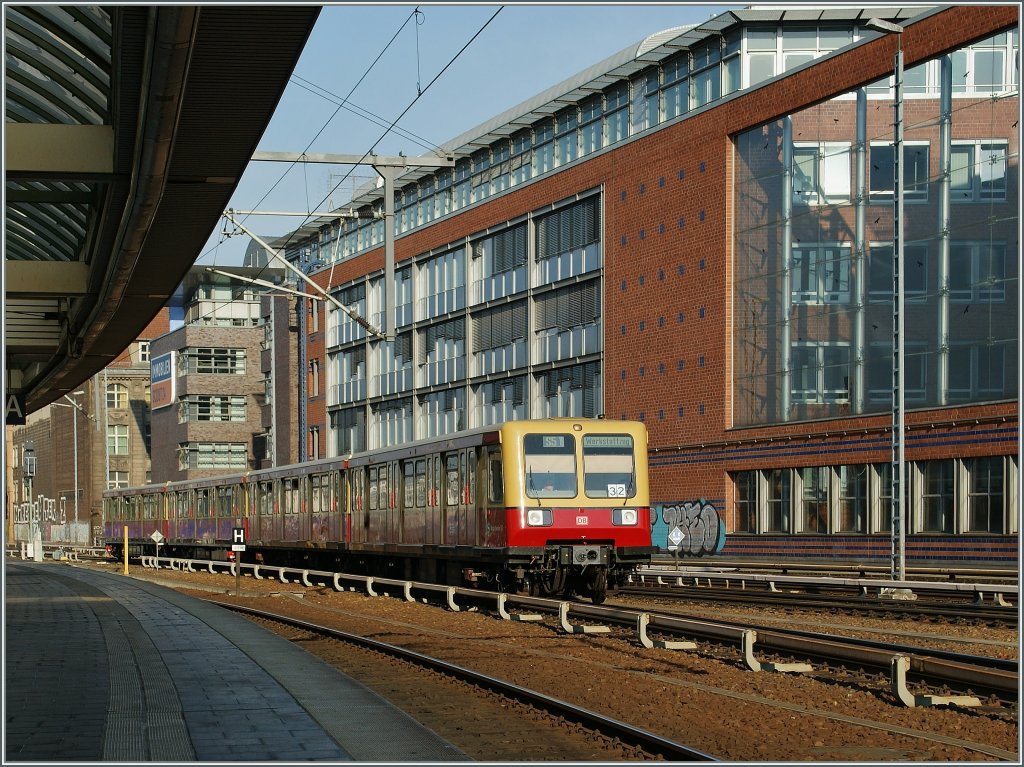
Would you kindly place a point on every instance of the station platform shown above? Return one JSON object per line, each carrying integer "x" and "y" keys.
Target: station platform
{"x": 103, "y": 667}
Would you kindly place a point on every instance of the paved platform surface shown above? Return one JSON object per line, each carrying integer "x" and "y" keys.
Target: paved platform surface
{"x": 103, "y": 667}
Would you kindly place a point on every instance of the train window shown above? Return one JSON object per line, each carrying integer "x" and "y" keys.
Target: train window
{"x": 373, "y": 488}
{"x": 453, "y": 485}
{"x": 149, "y": 506}
{"x": 408, "y": 471}
{"x": 225, "y": 508}
{"x": 421, "y": 483}
{"x": 608, "y": 470}
{"x": 382, "y": 487}
{"x": 183, "y": 505}
{"x": 290, "y": 495}
{"x": 202, "y": 502}
{"x": 495, "y": 483}
{"x": 550, "y": 464}
{"x": 472, "y": 476}
{"x": 266, "y": 498}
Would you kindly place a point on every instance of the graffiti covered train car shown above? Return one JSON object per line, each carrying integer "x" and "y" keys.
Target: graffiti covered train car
{"x": 554, "y": 506}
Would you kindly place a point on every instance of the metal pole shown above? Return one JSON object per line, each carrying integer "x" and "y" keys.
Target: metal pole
{"x": 898, "y": 472}
{"x": 899, "y": 510}
{"x": 74, "y": 416}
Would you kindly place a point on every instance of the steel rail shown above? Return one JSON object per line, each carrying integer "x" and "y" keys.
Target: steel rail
{"x": 921, "y": 666}
{"x": 806, "y": 600}
{"x": 635, "y": 736}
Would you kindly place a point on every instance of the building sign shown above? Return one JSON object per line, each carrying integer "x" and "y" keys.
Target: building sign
{"x": 161, "y": 379}
{"x": 15, "y": 415}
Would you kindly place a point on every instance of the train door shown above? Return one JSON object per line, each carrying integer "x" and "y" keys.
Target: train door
{"x": 452, "y": 499}
{"x": 150, "y": 513}
{"x": 291, "y": 508}
{"x": 204, "y": 515}
{"x": 184, "y": 516}
{"x": 411, "y": 515}
{"x": 432, "y": 516}
{"x": 266, "y": 507}
{"x": 359, "y": 505}
{"x": 225, "y": 512}
{"x": 319, "y": 508}
{"x": 493, "y": 510}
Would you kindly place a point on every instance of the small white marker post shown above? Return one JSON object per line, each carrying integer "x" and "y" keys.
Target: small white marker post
{"x": 238, "y": 546}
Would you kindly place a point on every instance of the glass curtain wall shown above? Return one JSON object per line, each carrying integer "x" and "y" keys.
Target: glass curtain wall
{"x": 814, "y": 239}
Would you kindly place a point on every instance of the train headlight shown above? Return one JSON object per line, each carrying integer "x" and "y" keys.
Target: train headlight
{"x": 624, "y": 517}
{"x": 538, "y": 518}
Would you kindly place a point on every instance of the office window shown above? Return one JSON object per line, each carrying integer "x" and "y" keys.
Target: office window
{"x": 211, "y": 407}
{"x": 674, "y": 89}
{"x": 591, "y": 128}
{"x": 212, "y": 455}
{"x": 986, "y": 488}
{"x": 117, "y": 439}
{"x": 117, "y": 479}
{"x": 143, "y": 351}
{"x": 977, "y": 371}
{"x": 211, "y": 360}
{"x": 777, "y": 501}
{"x": 820, "y": 372}
{"x": 880, "y": 272}
{"x": 762, "y": 54}
{"x": 522, "y": 156}
{"x": 646, "y": 111}
{"x": 915, "y": 371}
{"x": 977, "y": 271}
{"x": 915, "y": 172}
{"x": 853, "y": 498}
{"x": 544, "y": 148}
{"x": 814, "y": 499}
{"x": 987, "y": 66}
{"x": 313, "y": 387}
{"x": 617, "y": 112}
{"x": 937, "y": 496}
{"x": 821, "y": 273}
{"x": 566, "y": 139}
{"x": 117, "y": 396}
{"x": 977, "y": 171}
{"x": 745, "y": 488}
{"x": 821, "y": 173}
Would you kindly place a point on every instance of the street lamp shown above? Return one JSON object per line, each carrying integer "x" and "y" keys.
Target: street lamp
{"x": 74, "y": 404}
{"x": 898, "y": 453}
{"x": 28, "y": 468}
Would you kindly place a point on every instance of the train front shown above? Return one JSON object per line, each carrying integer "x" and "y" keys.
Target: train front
{"x": 578, "y": 505}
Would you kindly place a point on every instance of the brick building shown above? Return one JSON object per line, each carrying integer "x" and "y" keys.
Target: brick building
{"x": 210, "y": 377}
{"x": 699, "y": 233}
{"x": 109, "y": 415}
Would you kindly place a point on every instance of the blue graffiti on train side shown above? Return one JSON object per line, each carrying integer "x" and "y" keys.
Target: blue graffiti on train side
{"x": 687, "y": 528}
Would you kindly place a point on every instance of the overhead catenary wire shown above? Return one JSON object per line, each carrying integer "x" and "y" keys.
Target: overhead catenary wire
{"x": 389, "y": 128}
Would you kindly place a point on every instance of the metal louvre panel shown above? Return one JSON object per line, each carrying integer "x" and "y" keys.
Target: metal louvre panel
{"x": 569, "y": 307}
{"x": 509, "y": 249}
{"x": 499, "y": 327}
{"x": 574, "y": 226}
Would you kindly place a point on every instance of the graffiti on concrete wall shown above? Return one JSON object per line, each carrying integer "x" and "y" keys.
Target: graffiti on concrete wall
{"x": 689, "y": 528}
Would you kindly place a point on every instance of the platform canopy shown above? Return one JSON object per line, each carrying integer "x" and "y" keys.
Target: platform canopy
{"x": 127, "y": 130}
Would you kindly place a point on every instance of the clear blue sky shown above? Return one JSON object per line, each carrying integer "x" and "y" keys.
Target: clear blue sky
{"x": 521, "y": 52}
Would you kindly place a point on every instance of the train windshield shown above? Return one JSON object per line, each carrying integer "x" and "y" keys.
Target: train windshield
{"x": 608, "y": 470}
{"x": 550, "y": 463}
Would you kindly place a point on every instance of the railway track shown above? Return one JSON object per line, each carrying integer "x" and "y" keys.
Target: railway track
{"x": 640, "y": 743}
{"x": 704, "y": 698}
{"x": 759, "y": 647}
{"x": 961, "y": 609}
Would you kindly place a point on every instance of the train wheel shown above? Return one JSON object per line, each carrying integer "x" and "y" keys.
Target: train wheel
{"x": 599, "y": 586}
